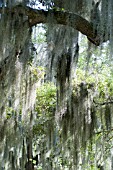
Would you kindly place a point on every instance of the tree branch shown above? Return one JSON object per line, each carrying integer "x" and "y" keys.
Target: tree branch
{"x": 104, "y": 131}
{"x": 75, "y": 21}
{"x": 102, "y": 103}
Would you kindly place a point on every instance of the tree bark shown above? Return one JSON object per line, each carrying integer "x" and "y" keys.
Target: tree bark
{"x": 29, "y": 165}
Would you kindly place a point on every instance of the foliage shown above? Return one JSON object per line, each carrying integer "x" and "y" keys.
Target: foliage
{"x": 45, "y": 106}
{"x": 46, "y": 98}
{"x": 96, "y": 73}
{"x": 96, "y": 70}
{"x": 41, "y": 34}
{"x": 44, "y": 124}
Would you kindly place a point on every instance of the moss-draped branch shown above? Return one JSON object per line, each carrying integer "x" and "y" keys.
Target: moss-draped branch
{"x": 35, "y": 16}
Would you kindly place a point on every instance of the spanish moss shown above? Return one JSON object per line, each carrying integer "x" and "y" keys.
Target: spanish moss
{"x": 56, "y": 84}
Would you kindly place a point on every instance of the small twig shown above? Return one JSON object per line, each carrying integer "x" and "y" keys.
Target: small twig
{"x": 105, "y": 131}
{"x": 103, "y": 103}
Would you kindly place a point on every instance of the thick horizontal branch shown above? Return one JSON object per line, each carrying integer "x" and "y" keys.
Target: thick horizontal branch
{"x": 58, "y": 17}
